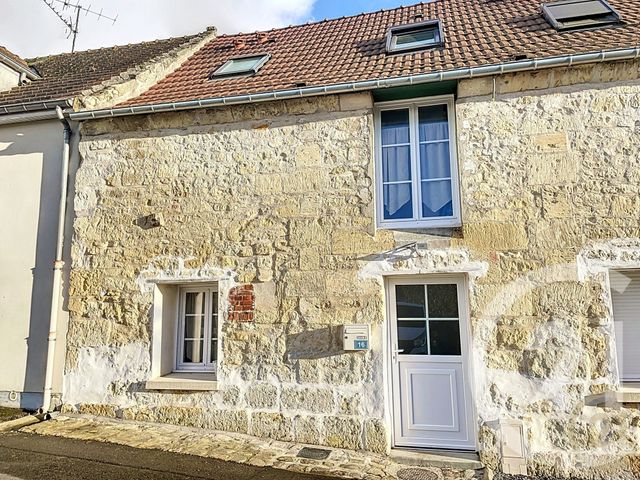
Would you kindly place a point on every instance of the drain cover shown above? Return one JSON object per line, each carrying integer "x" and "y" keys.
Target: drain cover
{"x": 416, "y": 474}
{"x": 314, "y": 453}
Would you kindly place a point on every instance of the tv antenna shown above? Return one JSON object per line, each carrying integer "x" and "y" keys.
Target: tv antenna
{"x": 66, "y": 6}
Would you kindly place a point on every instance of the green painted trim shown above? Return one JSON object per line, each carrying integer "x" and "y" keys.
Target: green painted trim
{"x": 415, "y": 91}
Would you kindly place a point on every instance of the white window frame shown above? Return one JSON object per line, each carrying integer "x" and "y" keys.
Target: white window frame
{"x": 417, "y": 221}
{"x": 623, "y": 377}
{"x": 207, "y": 365}
{"x": 395, "y": 32}
{"x": 221, "y": 72}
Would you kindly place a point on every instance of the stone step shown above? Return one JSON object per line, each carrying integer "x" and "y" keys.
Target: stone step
{"x": 437, "y": 458}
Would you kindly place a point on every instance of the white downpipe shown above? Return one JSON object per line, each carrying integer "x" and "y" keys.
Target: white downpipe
{"x": 58, "y": 265}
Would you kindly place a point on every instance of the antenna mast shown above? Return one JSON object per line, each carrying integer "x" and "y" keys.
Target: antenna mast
{"x": 70, "y": 22}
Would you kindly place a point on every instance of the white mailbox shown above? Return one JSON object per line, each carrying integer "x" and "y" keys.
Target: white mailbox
{"x": 356, "y": 337}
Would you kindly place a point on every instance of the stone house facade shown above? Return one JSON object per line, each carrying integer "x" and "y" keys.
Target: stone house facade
{"x": 222, "y": 257}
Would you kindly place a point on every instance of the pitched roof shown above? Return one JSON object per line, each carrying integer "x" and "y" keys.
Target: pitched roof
{"x": 350, "y": 49}
{"x": 67, "y": 75}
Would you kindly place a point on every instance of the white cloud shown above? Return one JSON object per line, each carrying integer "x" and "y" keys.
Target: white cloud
{"x": 31, "y": 29}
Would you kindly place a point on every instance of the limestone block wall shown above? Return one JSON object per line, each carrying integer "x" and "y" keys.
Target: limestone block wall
{"x": 276, "y": 202}
{"x": 550, "y": 166}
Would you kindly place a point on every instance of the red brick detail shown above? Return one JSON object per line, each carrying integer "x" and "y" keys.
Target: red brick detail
{"x": 242, "y": 303}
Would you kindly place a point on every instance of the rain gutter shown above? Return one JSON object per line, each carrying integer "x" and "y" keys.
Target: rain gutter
{"x": 28, "y": 117}
{"x": 455, "y": 74}
{"x": 35, "y": 106}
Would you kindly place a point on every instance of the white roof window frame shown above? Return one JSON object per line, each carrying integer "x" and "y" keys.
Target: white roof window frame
{"x": 577, "y": 24}
{"x": 221, "y": 72}
{"x": 395, "y": 32}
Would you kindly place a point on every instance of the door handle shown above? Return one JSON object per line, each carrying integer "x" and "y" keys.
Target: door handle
{"x": 396, "y": 352}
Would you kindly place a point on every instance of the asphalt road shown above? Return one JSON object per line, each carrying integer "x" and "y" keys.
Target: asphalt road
{"x": 33, "y": 457}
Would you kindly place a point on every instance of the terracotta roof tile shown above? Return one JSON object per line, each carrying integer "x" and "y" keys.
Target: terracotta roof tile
{"x": 68, "y": 74}
{"x": 477, "y": 32}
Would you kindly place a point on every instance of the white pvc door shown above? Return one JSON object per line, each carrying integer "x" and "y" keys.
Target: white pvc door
{"x": 431, "y": 395}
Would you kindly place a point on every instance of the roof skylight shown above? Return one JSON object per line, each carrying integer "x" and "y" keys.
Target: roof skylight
{"x": 241, "y": 66}
{"x": 573, "y": 14}
{"x": 416, "y": 36}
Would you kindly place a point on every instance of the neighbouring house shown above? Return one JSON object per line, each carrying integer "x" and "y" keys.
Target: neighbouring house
{"x": 33, "y": 186}
{"x": 414, "y": 228}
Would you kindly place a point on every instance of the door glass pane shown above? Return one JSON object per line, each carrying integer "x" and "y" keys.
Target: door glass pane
{"x": 434, "y": 124}
{"x": 193, "y": 351}
{"x": 194, "y": 303}
{"x": 437, "y": 199}
{"x": 395, "y": 126}
{"x": 412, "y": 337}
{"x": 396, "y": 164}
{"x": 443, "y": 301}
{"x": 194, "y": 327}
{"x": 434, "y": 161}
{"x": 397, "y": 201}
{"x": 410, "y": 301}
{"x": 444, "y": 337}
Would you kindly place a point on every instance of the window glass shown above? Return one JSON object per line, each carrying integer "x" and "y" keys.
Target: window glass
{"x": 435, "y": 162}
{"x": 193, "y": 351}
{"x": 444, "y": 337}
{"x": 237, "y": 66}
{"x": 396, "y": 165}
{"x": 194, "y": 304}
{"x": 437, "y": 200}
{"x": 395, "y": 127}
{"x": 415, "y": 36}
{"x": 398, "y": 202}
{"x": 412, "y": 337}
{"x": 425, "y": 36}
{"x": 410, "y": 301}
{"x": 417, "y": 173}
{"x": 433, "y": 123}
{"x": 197, "y": 342}
{"x": 443, "y": 301}
{"x": 214, "y": 327}
{"x": 428, "y": 325}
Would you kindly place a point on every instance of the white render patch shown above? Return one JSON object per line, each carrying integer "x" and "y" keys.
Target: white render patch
{"x": 103, "y": 373}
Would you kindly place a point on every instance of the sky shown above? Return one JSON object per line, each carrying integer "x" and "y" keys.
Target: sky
{"x": 29, "y": 28}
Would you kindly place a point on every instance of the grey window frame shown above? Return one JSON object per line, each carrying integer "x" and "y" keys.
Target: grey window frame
{"x": 396, "y": 31}
{"x": 579, "y": 22}
{"x": 210, "y": 333}
{"x": 220, "y": 73}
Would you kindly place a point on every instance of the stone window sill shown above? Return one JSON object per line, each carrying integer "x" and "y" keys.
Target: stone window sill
{"x": 629, "y": 392}
{"x": 184, "y": 381}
